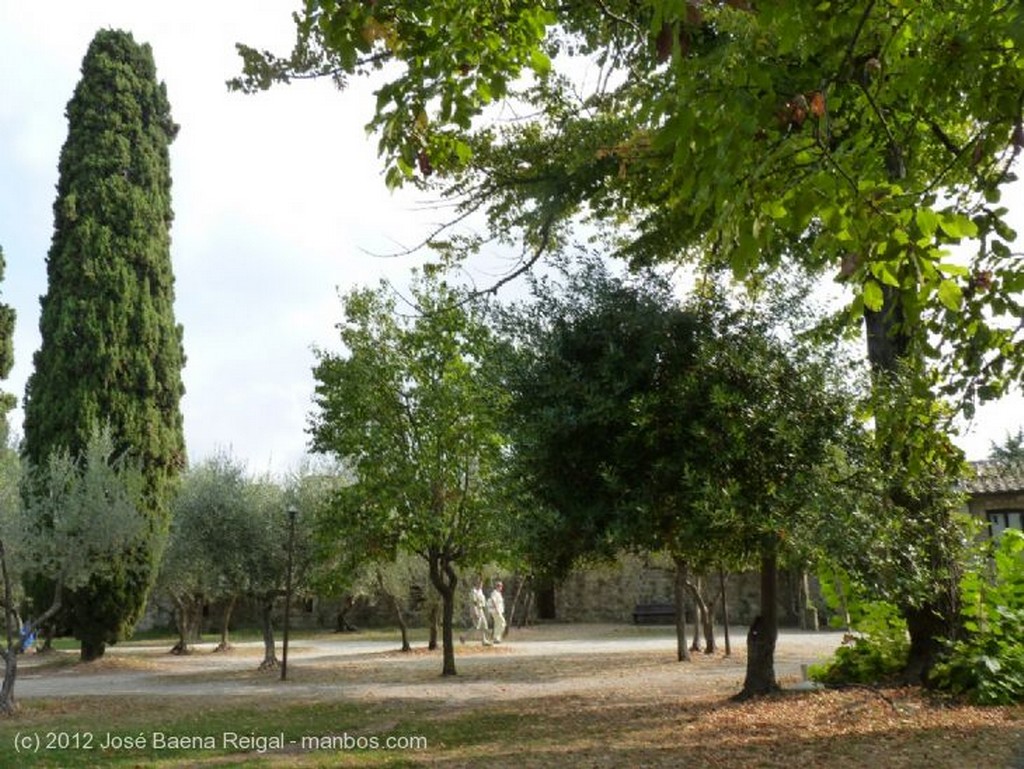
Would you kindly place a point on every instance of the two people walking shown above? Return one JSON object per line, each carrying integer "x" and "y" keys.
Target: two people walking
{"x": 487, "y": 613}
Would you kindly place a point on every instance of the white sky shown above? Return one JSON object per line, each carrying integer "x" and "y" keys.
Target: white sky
{"x": 278, "y": 202}
{"x": 277, "y": 199}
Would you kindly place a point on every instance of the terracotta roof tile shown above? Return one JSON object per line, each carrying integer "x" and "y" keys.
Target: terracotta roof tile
{"x": 996, "y": 477}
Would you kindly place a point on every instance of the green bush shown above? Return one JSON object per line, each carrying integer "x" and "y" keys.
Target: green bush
{"x": 987, "y": 663}
{"x": 877, "y": 646}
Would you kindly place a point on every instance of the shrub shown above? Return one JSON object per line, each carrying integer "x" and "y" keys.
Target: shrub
{"x": 875, "y": 649}
{"x": 987, "y": 663}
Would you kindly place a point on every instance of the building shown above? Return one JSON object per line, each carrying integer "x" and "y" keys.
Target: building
{"x": 997, "y": 495}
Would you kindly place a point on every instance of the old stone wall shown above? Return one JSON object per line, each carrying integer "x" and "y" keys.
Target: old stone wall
{"x": 605, "y": 592}
{"x": 609, "y": 592}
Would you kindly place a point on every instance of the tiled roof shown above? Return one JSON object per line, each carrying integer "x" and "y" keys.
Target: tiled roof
{"x": 996, "y": 477}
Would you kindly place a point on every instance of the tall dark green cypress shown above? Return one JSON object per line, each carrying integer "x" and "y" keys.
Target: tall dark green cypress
{"x": 111, "y": 350}
{"x": 7, "y": 317}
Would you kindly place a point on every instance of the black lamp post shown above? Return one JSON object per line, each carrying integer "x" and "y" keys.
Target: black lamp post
{"x": 292, "y": 513}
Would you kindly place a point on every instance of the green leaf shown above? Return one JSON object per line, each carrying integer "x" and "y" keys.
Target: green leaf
{"x": 927, "y": 221}
{"x": 958, "y": 226}
{"x": 950, "y": 295}
{"x": 873, "y": 295}
{"x": 953, "y": 269}
{"x": 539, "y": 62}
{"x": 882, "y": 271}
{"x": 774, "y": 209}
{"x": 483, "y": 91}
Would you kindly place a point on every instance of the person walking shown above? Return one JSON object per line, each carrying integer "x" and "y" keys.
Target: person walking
{"x": 496, "y": 608}
{"x": 478, "y": 612}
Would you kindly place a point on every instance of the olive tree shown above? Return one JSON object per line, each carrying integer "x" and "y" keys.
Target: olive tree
{"x": 72, "y": 528}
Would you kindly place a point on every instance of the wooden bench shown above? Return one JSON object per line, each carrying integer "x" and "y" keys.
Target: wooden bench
{"x": 654, "y": 614}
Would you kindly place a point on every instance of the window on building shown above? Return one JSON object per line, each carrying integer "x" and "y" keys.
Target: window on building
{"x": 1001, "y": 520}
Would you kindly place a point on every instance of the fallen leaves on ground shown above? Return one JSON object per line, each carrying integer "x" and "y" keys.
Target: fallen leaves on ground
{"x": 855, "y": 729}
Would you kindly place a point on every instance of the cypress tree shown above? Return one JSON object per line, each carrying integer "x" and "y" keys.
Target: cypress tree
{"x": 7, "y": 316}
{"x": 111, "y": 350}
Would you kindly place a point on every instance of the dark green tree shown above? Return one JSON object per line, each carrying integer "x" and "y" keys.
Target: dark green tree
{"x": 1010, "y": 451}
{"x": 699, "y": 430}
{"x": 7, "y": 318}
{"x": 111, "y": 350}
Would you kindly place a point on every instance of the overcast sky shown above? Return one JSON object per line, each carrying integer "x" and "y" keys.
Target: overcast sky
{"x": 277, "y": 197}
{"x": 278, "y": 201}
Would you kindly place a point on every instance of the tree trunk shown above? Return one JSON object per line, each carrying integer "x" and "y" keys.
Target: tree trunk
{"x": 269, "y": 653}
{"x": 92, "y": 649}
{"x": 927, "y": 628}
{"x": 698, "y": 618}
{"x": 808, "y": 611}
{"x": 16, "y": 632}
{"x": 225, "y": 624}
{"x": 725, "y": 613}
{"x": 10, "y": 655}
{"x": 432, "y": 622}
{"x": 524, "y": 616}
{"x": 710, "y": 645}
{"x": 887, "y": 342}
{"x": 48, "y": 631}
{"x": 444, "y": 579}
{"x": 705, "y": 619}
{"x": 187, "y": 617}
{"x": 342, "y": 625}
{"x": 763, "y": 633}
{"x": 447, "y": 629}
{"x": 843, "y": 606}
{"x": 888, "y": 345}
{"x": 679, "y": 598}
{"x": 396, "y": 605}
{"x": 514, "y": 607}
{"x": 8, "y": 706}
{"x": 403, "y": 626}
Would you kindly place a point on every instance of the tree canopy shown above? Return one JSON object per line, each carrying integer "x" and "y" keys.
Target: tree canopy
{"x": 409, "y": 408}
{"x": 1011, "y": 450}
{"x": 697, "y": 429}
{"x": 868, "y": 138}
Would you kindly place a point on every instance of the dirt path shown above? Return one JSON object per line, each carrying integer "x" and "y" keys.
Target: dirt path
{"x": 536, "y": 662}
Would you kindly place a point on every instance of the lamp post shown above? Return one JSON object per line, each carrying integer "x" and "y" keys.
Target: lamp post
{"x": 292, "y": 513}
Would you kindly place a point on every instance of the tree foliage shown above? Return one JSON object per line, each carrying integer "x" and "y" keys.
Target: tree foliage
{"x": 75, "y": 528}
{"x": 410, "y": 409}
{"x": 111, "y": 351}
{"x": 7, "y": 319}
{"x": 582, "y": 358}
{"x": 1011, "y": 450}
{"x": 697, "y": 430}
{"x": 871, "y": 141}
{"x": 210, "y": 537}
{"x": 867, "y": 138}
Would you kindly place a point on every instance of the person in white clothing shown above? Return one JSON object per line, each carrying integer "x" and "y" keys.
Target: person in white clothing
{"x": 496, "y": 608}
{"x": 478, "y": 612}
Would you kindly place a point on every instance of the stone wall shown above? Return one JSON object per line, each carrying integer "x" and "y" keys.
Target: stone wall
{"x": 606, "y": 592}
{"x": 609, "y": 592}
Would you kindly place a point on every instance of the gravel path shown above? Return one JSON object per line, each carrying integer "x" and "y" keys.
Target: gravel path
{"x": 539, "y": 661}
